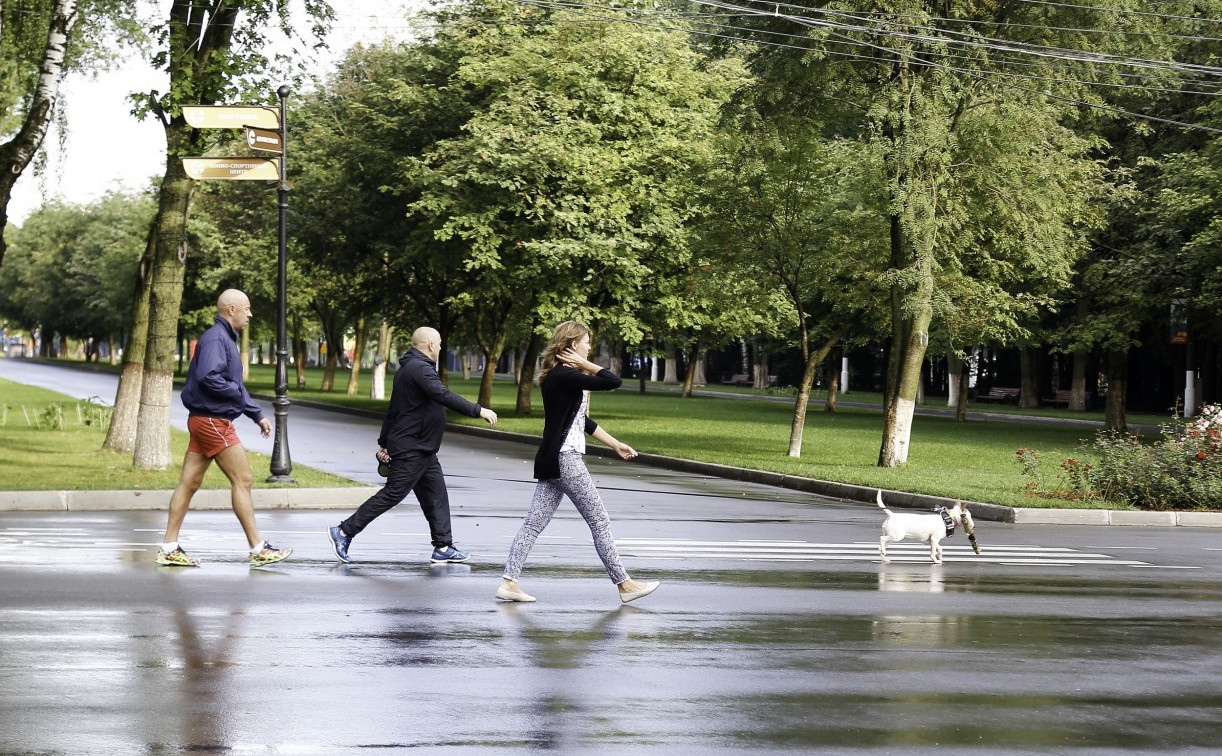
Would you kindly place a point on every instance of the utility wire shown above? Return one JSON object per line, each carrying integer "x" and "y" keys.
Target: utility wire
{"x": 600, "y": 13}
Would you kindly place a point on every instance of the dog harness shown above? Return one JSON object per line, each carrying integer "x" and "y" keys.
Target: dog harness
{"x": 950, "y": 522}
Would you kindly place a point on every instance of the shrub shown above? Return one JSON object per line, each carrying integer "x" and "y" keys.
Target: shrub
{"x": 1182, "y": 469}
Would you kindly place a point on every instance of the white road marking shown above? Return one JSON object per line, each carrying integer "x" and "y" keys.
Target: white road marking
{"x": 914, "y": 552}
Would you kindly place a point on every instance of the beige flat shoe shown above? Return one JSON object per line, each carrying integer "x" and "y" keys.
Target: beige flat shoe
{"x": 509, "y": 591}
{"x": 631, "y": 590}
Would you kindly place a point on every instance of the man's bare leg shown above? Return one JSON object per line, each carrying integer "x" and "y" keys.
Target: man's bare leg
{"x": 236, "y": 466}
{"x": 193, "y": 468}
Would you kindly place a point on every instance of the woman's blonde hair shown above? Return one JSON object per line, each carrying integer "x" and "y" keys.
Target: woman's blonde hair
{"x": 566, "y": 335}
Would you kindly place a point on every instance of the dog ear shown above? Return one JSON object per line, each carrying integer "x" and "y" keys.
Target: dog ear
{"x": 959, "y": 503}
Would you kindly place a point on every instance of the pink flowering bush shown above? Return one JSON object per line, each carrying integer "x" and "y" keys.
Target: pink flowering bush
{"x": 1182, "y": 469}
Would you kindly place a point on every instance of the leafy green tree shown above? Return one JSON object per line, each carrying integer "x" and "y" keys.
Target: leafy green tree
{"x": 40, "y": 42}
{"x": 983, "y": 179}
{"x": 213, "y": 52}
{"x": 363, "y": 257}
{"x": 1155, "y": 247}
{"x": 67, "y": 265}
{"x": 574, "y": 172}
{"x": 794, "y": 214}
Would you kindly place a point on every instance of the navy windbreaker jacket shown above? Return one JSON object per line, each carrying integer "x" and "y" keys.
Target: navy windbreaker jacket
{"x": 214, "y": 380}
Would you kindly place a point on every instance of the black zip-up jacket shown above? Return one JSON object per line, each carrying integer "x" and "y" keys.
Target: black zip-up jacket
{"x": 416, "y": 418}
{"x": 561, "y": 391}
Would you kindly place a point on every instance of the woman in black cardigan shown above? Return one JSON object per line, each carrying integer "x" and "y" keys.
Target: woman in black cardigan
{"x": 566, "y": 379}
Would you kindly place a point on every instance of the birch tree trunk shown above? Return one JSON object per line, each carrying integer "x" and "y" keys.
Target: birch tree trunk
{"x": 16, "y": 154}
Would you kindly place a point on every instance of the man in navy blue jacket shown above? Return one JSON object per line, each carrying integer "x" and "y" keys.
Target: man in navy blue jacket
{"x": 411, "y": 435}
{"x": 214, "y": 397}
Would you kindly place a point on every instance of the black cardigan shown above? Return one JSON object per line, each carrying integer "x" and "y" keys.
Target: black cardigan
{"x": 562, "y": 390}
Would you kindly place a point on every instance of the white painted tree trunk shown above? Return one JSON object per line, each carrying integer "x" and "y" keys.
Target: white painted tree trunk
{"x": 896, "y": 443}
{"x": 152, "y": 450}
{"x": 377, "y": 390}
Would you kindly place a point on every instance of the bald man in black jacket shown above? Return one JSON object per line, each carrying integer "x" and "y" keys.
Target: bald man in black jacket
{"x": 411, "y": 435}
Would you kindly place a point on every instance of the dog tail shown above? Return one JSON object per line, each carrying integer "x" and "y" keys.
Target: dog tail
{"x": 880, "y": 502}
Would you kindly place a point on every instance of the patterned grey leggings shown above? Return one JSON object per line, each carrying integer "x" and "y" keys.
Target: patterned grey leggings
{"x": 575, "y": 481}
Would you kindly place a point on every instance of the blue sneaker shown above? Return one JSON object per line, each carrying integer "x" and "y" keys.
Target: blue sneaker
{"x": 448, "y": 555}
{"x": 340, "y": 543}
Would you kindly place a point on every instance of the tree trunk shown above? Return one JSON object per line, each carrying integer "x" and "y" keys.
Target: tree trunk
{"x": 1117, "y": 380}
{"x": 700, "y": 379}
{"x": 121, "y": 436}
{"x": 377, "y": 389}
{"x": 798, "y": 425}
{"x": 1077, "y": 386}
{"x": 152, "y": 449}
{"x": 761, "y": 368}
{"x": 526, "y": 377}
{"x": 670, "y": 374}
{"x": 299, "y": 352}
{"x": 910, "y": 338}
{"x": 354, "y": 377}
{"x": 16, "y": 154}
{"x": 1029, "y": 363}
{"x": 491, "y": 357}
{"x": 689, "y": 375}
{"x": 961, "y": 406}
{"x": 243, "y": 353}
{"x": 954, "y": 369}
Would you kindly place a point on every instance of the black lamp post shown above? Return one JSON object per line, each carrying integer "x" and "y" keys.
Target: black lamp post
{"x": 282, "y": 463}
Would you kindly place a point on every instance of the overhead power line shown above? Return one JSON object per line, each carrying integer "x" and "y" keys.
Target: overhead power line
{"x": 685, "y": 23}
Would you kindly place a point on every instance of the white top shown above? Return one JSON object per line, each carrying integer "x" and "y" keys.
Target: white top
{"x": 575, "y": 441}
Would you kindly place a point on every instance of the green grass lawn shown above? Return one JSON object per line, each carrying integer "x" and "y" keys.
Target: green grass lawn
{"x": 974, "y": 460}
{"x": 52, "y": 442}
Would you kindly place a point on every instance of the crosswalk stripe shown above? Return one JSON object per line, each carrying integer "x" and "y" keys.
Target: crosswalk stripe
{"x": 914, "y": 552}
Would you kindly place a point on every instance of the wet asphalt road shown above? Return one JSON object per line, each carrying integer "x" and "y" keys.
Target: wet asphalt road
{"x": 776, "y": 629}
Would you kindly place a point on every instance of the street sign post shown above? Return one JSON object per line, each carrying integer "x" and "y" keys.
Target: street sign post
{"x": 266, "y": 140}
{"x": 231, "y": 116}
{"x": 265, "y": 131}
{"x": 232, "y": 169}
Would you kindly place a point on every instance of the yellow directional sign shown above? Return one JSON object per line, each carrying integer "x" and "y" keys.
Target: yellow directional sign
{"x": 266, "y": 140}
{"x": 231, "y": 116}
{"x": 232, "y": 169}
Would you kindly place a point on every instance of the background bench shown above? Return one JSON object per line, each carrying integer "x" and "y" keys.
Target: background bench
{"x": 1063, "y": 398}
{"x": 1000, "y": 394}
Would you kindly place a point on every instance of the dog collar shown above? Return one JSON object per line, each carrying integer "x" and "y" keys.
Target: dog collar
{"x": 950, "y": 522}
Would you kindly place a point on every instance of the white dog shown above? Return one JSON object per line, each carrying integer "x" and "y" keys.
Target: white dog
{"x": 931, "y": 528}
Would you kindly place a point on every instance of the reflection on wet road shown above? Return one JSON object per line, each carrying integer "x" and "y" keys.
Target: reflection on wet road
{"x": 1050, "y": 641}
